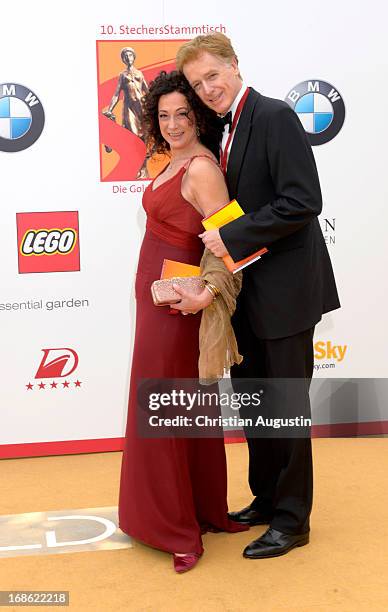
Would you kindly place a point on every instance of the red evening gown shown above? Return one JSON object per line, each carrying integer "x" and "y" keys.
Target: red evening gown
{"x": 172, "y": 489}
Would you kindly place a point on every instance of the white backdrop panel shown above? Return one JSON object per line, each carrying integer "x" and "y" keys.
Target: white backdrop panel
{"x": 278, "y": 46}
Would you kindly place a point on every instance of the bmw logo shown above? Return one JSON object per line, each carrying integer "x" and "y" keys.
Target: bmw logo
{"x": 320, "y": 109}
{"x": 21, "y": 117}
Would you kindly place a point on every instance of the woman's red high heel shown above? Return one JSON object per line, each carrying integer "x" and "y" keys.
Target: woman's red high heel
{"x": 184, "y": 563}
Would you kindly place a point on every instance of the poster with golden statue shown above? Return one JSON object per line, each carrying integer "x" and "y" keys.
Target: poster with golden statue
{"x": 124, "y": 70}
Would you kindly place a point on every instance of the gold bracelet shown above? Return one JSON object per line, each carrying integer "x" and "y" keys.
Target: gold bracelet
{"x": 215, "y": 292}
{"x": 215, "y": 289}
{"x": 210, "y": 291}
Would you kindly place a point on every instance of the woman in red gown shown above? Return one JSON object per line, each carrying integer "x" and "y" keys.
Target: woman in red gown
{"x": 173, "y": 489}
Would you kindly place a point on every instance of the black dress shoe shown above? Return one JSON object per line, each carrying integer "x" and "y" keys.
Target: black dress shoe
{"x": 274, "y": 543}
{"x": 249, "y": 516}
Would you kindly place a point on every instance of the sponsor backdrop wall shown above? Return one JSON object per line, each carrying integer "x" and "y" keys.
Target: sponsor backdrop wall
{"x": 73, "y": 170}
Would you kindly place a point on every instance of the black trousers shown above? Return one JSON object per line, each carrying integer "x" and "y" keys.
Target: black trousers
{"x": 280, "y": 469}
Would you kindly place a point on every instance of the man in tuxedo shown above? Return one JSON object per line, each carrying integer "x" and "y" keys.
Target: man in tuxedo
{"x": 270, "y": 170}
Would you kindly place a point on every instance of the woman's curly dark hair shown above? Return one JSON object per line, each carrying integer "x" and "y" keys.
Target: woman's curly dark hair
{"x": 206, "y": 119}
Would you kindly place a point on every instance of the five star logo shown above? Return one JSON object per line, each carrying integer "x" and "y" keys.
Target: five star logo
{"x": 56, "y": 363}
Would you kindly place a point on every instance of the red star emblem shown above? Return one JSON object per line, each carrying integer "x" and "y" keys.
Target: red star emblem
{"x": 41, "y": 385}
{"x": 65, "y": 384}
{"x": 29, "y": 386}
{"x": 77, "y": 383}
{"x": 54, "y": 385}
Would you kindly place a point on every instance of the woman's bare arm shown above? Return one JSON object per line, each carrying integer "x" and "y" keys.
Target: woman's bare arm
{"x": 204, "y": 186}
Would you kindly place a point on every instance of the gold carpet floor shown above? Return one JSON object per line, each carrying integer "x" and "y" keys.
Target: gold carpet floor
{"x": 345, "y": 566}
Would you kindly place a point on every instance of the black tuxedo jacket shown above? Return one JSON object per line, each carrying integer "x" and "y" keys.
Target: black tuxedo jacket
{"x": 272, "y": 174}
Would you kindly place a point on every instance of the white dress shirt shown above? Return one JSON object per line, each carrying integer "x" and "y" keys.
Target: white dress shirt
{"x": 233, "y": 109}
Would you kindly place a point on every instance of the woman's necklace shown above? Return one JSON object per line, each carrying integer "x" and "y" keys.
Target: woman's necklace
{"x": 173, "y": 165}
{"x": 177, "y": 163}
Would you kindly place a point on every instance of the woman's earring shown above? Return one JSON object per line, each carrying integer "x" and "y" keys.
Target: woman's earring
{"x": 197, "y": 131}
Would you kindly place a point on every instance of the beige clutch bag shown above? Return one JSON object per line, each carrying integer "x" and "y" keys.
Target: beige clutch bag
{"x": 163, "y": 292}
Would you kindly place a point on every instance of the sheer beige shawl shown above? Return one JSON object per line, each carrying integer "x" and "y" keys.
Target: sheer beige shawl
{"x": 217, "y": 342}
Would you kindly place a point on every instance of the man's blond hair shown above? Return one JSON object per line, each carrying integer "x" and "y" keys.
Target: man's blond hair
{"x": 216, "y": 44}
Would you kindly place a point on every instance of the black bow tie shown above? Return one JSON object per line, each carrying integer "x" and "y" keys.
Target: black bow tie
{"x": 226, "y": 120}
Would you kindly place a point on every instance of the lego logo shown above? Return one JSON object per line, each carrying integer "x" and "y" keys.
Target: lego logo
{"x": 48, "y": 242}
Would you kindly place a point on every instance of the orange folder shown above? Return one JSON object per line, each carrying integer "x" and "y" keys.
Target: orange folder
{"x": 172, "y": 269}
